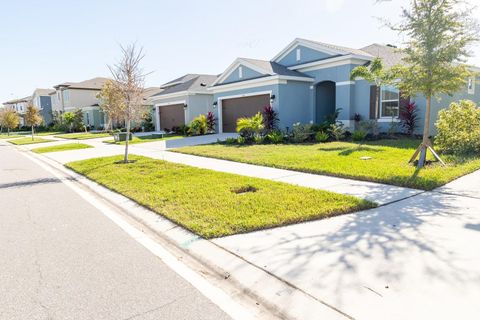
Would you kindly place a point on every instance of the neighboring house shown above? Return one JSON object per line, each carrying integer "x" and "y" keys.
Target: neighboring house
{"x": 20, "y": 106}
{"x": 42, "y": 99}
{"x": 181, "y": 100}
{"x": 308, "y": 80}
{"x": 69, "y": 96}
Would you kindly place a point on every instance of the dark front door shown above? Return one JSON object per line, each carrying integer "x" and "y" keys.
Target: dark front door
{"x": 233, "y": 109}
{"x": 325, "y": 103}
{"x": 171, "y": 116}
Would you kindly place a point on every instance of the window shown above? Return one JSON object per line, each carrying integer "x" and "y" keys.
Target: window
{"x": 240, "y": 72}
{"x": 66, "y": 95}
{"x": 471, "y": 86}
{"x": 299, "y": 54}
{"x": 389, "y": 102}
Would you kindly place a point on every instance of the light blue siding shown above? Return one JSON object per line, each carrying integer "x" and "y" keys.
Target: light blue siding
{"x": 247, "y": 74}
{"x": 306, "y": 55}
{"x": 294, "y": 103}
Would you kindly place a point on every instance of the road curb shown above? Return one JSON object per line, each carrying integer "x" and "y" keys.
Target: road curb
{"x": 279, "y": 297}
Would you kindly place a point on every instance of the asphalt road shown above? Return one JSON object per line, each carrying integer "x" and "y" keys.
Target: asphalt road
{"x": 60, "y": 258}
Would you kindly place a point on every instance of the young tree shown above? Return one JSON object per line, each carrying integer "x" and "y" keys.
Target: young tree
{"x": 69, "y": 119}
{"x": 9, "y": 119}
{"x": 32, "y": 117}
{"x": 129, "y": 80}
{"x": 439, "y": 34}
{"x": 376, "y": 74}
{"x": 111, "y": 103}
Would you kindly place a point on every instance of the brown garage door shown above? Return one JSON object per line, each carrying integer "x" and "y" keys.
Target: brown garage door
{"x": 171, "y": 116}
{"x": 232, "y": 109}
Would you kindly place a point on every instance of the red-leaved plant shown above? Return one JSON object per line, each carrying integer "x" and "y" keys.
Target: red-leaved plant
{"x": 211, "y": 122}
{"x": 409, "y": 117}
{"x": 270, "y": 118}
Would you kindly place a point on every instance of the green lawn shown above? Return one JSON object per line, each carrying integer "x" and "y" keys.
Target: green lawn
{"x": 62, "y": 147}
{"x": 143, "y": 139}
{"x": 207, "y": 202}
{"x": 28, "y": 140}
{"x": 11, "y": 136}
{"x": 388, "y": 163}
{"x": 83, "y": 135}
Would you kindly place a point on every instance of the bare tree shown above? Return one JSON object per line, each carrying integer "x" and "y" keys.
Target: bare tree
{"x": 129, "y": 81}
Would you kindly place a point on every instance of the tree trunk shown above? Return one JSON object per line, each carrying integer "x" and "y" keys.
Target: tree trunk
{"x": 8, "y": 131}
{"x": 126, "y": 141}
{"x": 426, "y": 133}
{"x": 32, "y": 133}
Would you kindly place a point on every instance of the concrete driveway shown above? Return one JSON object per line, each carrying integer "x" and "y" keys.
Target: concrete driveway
{"x": 418, "y": 258}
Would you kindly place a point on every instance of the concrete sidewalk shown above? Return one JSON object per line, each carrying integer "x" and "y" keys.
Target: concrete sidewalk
{"x": 380, "y": 193}
{"x": 418, "y": 258}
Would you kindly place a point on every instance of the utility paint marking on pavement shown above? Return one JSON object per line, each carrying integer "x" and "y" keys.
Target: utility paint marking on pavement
{"x": 216, "y": 295}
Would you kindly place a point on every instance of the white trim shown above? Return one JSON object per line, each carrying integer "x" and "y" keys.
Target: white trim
{"x": 298, "y": 53}
{"x": 234, "y": 65}
{"x": 328, "y": 63}
{"x": 344, "y": 83}
{"x": 308, "y": 44}
{"x": 170, "y": 103}
{"x": 157, "y": 118}
{"x": 271, "y": 80}
{"x": 220, "y": 99}
{"x": 389, "y": 100}
{"x": 174, "y": 95}
{"x": 240, "y": 71}
{"x": 388, "y": 119}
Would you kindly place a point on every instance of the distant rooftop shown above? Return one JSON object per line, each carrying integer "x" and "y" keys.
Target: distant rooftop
{"x": 92, "y": 84}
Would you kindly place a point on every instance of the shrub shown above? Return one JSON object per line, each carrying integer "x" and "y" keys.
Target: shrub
{"x": 370, "y": 126}
{"x": 337, "y": 131}
{"x": 301, "y": 132}
{"x": 332, "y": 117}
{"x": 458, "y": 128}
{"x": 321, "y": 136}
{"x": 249, "y": 128}
{"x": 274, "y": 137}
{"x": 230, "y": 141}
{"x": 359, "y": 135}
{"x": 409, "y": 117}
{"x": 270, "y": 119}
{"x": 211, "y": 122}
{"x": 241, "y": 140}
{"x": 198, "y": 126}
{"x": 393, "y": 127}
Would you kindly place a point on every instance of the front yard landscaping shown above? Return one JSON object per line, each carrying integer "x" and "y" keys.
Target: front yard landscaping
{"x": 143, "y": 139}
{"x": 388, "y": 163}
{"x": 214, "y": 204}
{"x": 83, "y": 135}
{"x": 28, "y": 140}
{"x": 62, "y": 147}
{"x": 11, "y": 136}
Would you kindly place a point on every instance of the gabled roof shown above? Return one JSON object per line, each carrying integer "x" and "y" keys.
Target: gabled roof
{"x": 148, "y": 92}
{"x": 189, "y": 82}
{"x": 390, "y": 55}
{"x": 91, "y": 84}
{"x": 26, "y": 99}
{"x": 320, "y": 46}
{"x": 266, "y": 68}
{"x": 43, "y": 92}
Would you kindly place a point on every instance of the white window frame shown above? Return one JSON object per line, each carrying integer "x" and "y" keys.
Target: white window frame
{"x": 298, "y": 54}
{"x": 240, "y": 72}
{"x": 471, "y": 85}
{"x": 389, "y": 100}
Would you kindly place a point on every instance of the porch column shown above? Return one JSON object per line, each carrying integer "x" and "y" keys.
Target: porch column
{"x": 157, "y": 118}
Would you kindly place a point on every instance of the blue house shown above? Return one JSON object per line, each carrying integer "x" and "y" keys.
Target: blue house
{"x": 308, "y": 80}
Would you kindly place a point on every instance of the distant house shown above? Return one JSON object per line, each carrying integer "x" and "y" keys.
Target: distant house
{"x": 308, "y": 80}
{"x": 20, "y": 106}
{"x": 42, "y": 99}
{"x": 181, "y": 100}
{"x": 69, "y": 96}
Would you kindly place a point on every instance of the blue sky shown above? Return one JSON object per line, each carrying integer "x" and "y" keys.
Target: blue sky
{"x": 48, "y": 42}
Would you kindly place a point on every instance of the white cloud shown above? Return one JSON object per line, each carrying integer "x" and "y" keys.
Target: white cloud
{"x": 333, "y": 6}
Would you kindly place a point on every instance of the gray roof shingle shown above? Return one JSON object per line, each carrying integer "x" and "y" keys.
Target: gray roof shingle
{"x": 390, "y": 55}
{"x": 188, "y": 82}
{"x": 95, "y": 83}
{"x": 273, "y": 68}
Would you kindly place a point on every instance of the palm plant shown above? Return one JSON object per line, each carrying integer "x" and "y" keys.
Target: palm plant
{"x": 249, "y": 128}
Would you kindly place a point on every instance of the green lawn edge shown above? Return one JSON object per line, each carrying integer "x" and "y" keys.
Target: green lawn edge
{"x": 82, "y": 136}
{"x": 28, "y": 140}
{"x": 415, "y": 181}
{"x": 180, "y": 193}
{"x": 62, "y": 147}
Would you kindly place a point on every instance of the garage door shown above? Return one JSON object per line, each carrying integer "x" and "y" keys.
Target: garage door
{"x": 232, "y": 109}
{"x": 171, "y": 116}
